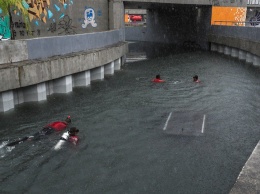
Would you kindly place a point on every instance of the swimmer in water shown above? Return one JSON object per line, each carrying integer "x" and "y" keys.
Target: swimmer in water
{"x": 158, "y": 79}
{"x": 69, "y": 136}
{"x": 48, "y": 129}
{"x": 196, "y": 79}
{"x": 52, "y": 127}
{"x": 73, "y": 138}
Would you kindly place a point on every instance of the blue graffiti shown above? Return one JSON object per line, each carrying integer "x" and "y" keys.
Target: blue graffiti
{"x": 57, "y": 7}
{"x": 25, "y": 4}
{"x": 5, "y": 31}
{"x": 99, "y": 12}
{"x": 62, "y": 16}
{"x": 89, "y": 15}
{"x": 50, "y": 14}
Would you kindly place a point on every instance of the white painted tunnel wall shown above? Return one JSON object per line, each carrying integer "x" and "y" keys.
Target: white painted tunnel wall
{"x": 97, "y": 73}
{"x": 117, "y": 64}
{"x": 242, "y": 55}
{"x": 34, "y": 93}
{"x": 81, "y": 79}
{"x": 39, "y": 92}
{"x": 6, "y": 101}
{"x": 235, "y": 52}
{"x": 227, "y": 50}
{"x": 109, "y": 68}
{"x": 63, "y": 85}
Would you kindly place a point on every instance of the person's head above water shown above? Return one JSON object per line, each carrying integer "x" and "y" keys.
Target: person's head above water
{"x": 73, "y": 131}
{"x": 68, "y": 119}
{"x": 157, "y": 79}
{"x": 195, "y": 78}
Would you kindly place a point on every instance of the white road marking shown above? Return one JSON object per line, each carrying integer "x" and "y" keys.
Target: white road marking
{"x": 165, "y": 126}
{"x": 203, "y": 124}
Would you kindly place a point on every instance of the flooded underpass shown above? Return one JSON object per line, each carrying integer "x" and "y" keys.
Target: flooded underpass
{"x": 125, "y": 145}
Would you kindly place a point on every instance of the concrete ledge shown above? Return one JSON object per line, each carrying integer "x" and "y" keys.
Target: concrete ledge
{"x": 13, "y": 51}
{"x": 248, "y": 181}
{"x": 26, "y": 73}
{"x": 9, "y": 78}
{"x": 243, "y": 44}
{"x": 45, "y": 47}
{"x": 197, "y": 2}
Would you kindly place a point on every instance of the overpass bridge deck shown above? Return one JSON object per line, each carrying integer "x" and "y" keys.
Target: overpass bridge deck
{"x": 146, "y": 3}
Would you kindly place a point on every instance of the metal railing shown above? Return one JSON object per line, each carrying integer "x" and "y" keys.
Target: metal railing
{"x": 236, "y": 23}
{"x": 133, "y": 24}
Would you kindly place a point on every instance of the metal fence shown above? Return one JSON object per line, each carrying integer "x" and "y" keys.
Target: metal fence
{"x": 236, "y": 23}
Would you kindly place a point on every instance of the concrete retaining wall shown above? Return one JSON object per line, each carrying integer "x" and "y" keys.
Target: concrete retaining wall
{"x": 241, "y": 42}
{"x": 34, "y": 80}
{"x": 248, "y": 33}
{"x": 30, "y": 72}
{"x": 20, "y": 50}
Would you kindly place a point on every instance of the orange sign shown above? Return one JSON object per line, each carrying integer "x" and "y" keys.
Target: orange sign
{"x": 228, "y": 16}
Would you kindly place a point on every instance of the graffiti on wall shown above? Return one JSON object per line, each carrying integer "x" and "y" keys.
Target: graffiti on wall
{"x": 89, "y": 18}
{"x": 44, "y": 15}
{"x": 52, "y": 28}
{"x": 66, "y": 25}
{"x": 19, "y": 28}
{"x": 40, "y": 9}
{"x": 58, "y": 17}
{"x": 255, "y": 20}
{"x": 5, "y": 32}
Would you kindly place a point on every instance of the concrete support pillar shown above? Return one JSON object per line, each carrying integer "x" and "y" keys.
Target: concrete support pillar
{"x": 109, "y": 68}
{"x": 256, "y": 61}
{"x": 213, "y": 47}
{"x": 81, "y": 79}
{"x": 6, "y": 101}
{"x": 49, "y": 87}
{"x": 234, "y": 52}
{"x": 33, "y": 93}
{"x": 227, "y": 50}
{"x": 97, "y": 73}
{"x": 123, "y": 59}
{"x": 117, "y": 64}
{"x": 116, "y": 15}
{"x": 18, "y": 96}
{"x": 249, "y": 57}
{"x": 62, "y": 85}
{"x": 220, "y": 48}
{"x": 242, "y": 55}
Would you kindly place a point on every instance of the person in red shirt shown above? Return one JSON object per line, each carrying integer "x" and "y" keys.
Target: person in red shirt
{"x": 59, "y": 125}
{"x": 158, "y": 79}
{"x": 48, "y": 129}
